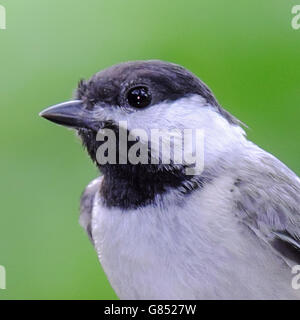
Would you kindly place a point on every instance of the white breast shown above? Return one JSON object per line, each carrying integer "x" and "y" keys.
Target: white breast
{"x": 186, "y": 248}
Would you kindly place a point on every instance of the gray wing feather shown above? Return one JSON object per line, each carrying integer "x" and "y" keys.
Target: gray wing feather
{"x": 268, "y": 202}
{"x": 86, "y": 206}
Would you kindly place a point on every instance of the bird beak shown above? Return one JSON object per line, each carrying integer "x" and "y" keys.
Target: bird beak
{"x": 71, "y": 114}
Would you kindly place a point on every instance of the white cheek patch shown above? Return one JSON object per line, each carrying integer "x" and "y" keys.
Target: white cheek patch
{"x": 187, "y": 131}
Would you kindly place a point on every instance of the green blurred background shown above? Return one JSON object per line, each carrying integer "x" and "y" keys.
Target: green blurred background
{"x": 246, "y": 51}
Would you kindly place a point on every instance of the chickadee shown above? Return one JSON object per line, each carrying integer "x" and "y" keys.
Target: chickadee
{"x": 231, "y": 232}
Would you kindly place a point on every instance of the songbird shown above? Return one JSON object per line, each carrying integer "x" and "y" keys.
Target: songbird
{"x": 229, "y": 232}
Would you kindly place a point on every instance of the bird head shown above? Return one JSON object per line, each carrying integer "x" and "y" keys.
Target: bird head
{"x": 144, "y": 96}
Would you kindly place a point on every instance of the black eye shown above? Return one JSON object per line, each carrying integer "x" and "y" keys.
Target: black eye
{"x": 139, "y": 97}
